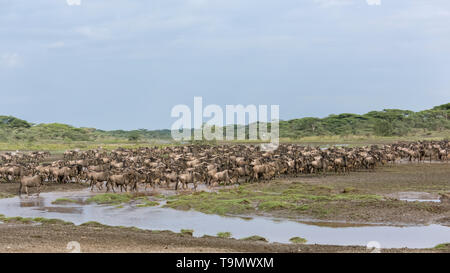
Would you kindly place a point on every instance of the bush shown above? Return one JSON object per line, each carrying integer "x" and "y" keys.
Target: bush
{"x": 224, "y": 234}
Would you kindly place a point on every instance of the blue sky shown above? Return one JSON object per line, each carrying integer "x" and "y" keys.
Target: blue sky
{"x": 116, "y": 64}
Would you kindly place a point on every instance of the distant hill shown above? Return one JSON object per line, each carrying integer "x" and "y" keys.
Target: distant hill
{"x": 389, "y": 122}
{"x": 15, "y": 129}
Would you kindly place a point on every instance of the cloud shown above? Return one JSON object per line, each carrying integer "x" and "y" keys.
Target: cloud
{"x": 10, "y": 60}
{"x": 332, "y": 3}
{"x": 73, "y": 2}
{"x": 373, "y": 2}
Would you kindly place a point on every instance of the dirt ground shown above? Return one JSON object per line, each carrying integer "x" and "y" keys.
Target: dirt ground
{"x": 406, "y": 181}
{"x": 405, "y": 177}
{"x": 422, "y": 181}
{"x": 10, "y": 188}
{"x": 28, "y": 238}
{"x": 364, "y": 197}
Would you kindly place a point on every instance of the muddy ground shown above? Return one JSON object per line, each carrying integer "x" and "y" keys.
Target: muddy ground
{"x": 12, "y": 189}
{"x": 364, "y": 197}
{"x": 21, "y": 237}
{"x": 359, "y": 197}
{"x": 392, "y": 183}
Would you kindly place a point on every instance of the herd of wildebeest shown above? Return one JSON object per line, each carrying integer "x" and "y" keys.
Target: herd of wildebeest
{"x": 179, "y": 166}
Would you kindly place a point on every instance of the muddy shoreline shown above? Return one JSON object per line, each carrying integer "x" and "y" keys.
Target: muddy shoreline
{"x": 49, "y": 238}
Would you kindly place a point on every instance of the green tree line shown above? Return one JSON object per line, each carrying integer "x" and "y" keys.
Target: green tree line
{"x": 389, "y": 122}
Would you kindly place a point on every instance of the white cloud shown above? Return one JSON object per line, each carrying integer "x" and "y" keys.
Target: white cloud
{"x": 373, "y": 2}
{"x": 73, "y": 2}
{"x": 331, "y": 3}
{"x": 10, "y": 60}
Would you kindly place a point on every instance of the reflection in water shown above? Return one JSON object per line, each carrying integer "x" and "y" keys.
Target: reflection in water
{"x": 336, "y": 224}
{"x": 62, "y": 209}
{"x": 420, "y": 200}
{"x": 31, "y": 202}
{"x": 159, "y": 218}
{"x": 246, "y": 218}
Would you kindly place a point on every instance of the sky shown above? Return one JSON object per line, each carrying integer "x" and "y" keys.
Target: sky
{"x": 116, "y": 64}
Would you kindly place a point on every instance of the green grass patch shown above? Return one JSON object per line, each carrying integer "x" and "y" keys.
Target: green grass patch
{"x": 118, "y": 199}
{"x": 298, "y": 240}
{"x": 291, "y": 198}
{"x": 274, "y": 205}
{"x": 110, "y": 198}
{"x": 224, "y": 234}
{"x": 16, "y": 219}
{"x": 130, "y": 228}
{"x": 146, "y": 203}
{"x": 51, "y": 221}
{"x": 189, "y": 232}
{"x": 93, "y": 224}
{"x": 210, "y": 203}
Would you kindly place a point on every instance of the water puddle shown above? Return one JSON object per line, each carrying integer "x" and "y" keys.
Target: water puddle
{"x": 61, "y": 209}
{"x": 420, "y": 200}
{"x": 159, "y": 218}
{"x": 413, "y": 196}
{"x": 336, "y": 224}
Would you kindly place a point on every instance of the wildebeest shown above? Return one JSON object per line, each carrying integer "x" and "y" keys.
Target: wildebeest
{"x": 34, "y": 181}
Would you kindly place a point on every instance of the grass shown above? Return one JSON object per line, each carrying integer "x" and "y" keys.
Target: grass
{"x": 224, "y": 234}
{"x": 5, "y": 219}
{"x": 93, "y": 224}
{"x": 61, "y": 146}
{"x": 209, "y": 203}
{"x": 189, "y": 232}
{"x": 148, "y": 203}
{"x": 275, "y": 205}
{"x": 110, "y": 198}
{"x": 358, "y": 197}
{"x": 293, "y": 197}
{"x": 121, "y": 227}
{"x": 298, "y": 240}
{"x": 118, "y": 199}
{"x": 27, "y": 220}
{"x": 255, "y": 238}
{"x": 51, "y": 221}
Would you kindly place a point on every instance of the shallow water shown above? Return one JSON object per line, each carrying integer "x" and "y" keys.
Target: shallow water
{"x": 275, "y": 230}
{"x": 420, "y": 200}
